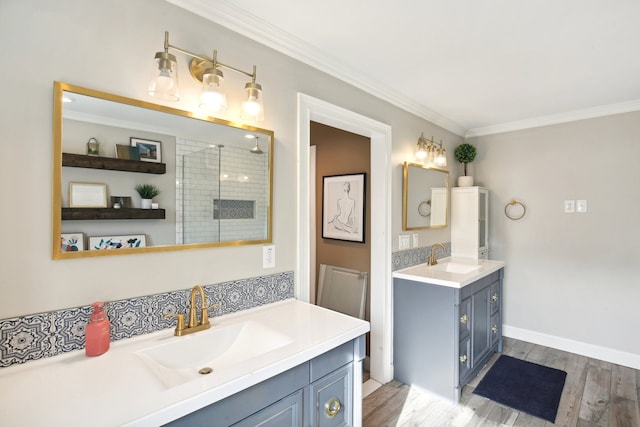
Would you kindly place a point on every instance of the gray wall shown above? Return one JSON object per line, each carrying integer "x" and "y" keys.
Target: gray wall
{"x": 572, "y": 276}
{"x": 109, "y": 46}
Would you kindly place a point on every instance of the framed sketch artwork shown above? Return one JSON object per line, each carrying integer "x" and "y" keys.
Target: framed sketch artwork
{"x": 343, "y": 204}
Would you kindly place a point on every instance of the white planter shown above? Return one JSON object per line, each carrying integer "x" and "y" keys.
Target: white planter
{"x": 146, "y": 203}
{"x": 465, "y": 181}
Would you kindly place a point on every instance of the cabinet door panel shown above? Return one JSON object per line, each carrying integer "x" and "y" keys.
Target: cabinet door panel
{"x": 284, "y": 413}
{"x": 480, "y": 329}
{"x": 330, "y": 399}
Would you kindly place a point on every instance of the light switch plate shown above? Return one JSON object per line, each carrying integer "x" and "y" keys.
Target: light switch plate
{"x": 269, "y": 256}
{"x": 581, "y": 206}
{"x": 403, "y": 241}
{"x": 416, "y": 240}
{"x": 569, "y": 206}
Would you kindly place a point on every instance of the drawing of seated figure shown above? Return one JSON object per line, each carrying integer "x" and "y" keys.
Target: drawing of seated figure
{"x": 345, "y": 219}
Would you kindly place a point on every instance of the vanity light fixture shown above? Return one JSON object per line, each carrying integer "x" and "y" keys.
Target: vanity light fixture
{"x": 427, "y": 152}
{"x": 207, "y": 71}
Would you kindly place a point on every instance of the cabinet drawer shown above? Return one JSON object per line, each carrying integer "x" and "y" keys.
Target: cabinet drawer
{"x": 496, "y": 328}
{"x": 464, "y": 318}
{"x": 495, "y": 297}
{"x": 284, "y": 413}
{"x": 330, "y": 399}
{"x": 464, "y": 359}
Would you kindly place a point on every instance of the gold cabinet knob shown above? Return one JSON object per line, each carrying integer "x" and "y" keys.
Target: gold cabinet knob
{"x": 332, "y": 407}
{"x": 494, "y": 329}
{"x": 464, "y": 319}
{"x": 494, "y": 298}
{"x": 463, "y": 358}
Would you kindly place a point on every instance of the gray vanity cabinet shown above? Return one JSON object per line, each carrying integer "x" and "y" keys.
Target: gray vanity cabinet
{"x": 317, "y": 393}
{"x": 443, "y": 336}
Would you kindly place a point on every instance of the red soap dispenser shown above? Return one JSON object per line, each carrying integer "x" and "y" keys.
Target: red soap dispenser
{"x": 97, "y": 333}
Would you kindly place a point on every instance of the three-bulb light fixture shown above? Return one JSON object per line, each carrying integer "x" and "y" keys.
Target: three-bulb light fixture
{"x": 207, "y": 71}
{"x": 430, "y": 152}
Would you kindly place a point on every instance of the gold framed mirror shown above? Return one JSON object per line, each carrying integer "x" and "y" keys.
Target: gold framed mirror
{"x": 215, "y": 178}
{"x": 425, "y": 197}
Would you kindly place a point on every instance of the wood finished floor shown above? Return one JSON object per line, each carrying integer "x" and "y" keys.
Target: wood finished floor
{"x": 596, "y": 394}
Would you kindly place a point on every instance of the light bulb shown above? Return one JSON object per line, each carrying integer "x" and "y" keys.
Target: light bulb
{"x": 251, "y": 107}
{"x": 214, "y": 101}
{"x": 164, "y": 81}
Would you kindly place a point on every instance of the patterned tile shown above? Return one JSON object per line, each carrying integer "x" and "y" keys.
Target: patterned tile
{"x": 25, "y": 338}
{"x": 167, "y": 303}
{"x": 70, "y": 325}
{"x": 128, "y": 318}
{"x": 410, "y": 257}
{"x": 47, "y": 334}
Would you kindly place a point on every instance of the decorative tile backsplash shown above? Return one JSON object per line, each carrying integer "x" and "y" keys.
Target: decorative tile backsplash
{"x": 409, "y": 257}
{"x": 49, "y": 334}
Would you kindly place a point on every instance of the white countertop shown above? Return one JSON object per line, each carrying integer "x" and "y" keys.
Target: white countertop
{"x": 117, "y": 388}
{"x": 428, "y": 274}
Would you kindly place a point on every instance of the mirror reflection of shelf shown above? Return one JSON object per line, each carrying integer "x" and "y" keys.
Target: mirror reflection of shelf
{"x": 110, "y": 163}
{"x": 111, "y": 213}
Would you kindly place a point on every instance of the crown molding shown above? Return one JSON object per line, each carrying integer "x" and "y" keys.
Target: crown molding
{"x": 571, "y": 116}
{"x": 239, "y": 20}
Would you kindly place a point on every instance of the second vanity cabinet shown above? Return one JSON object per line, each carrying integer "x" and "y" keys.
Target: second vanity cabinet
{"x": 443, "y": 336}
{"x": 319, "y": 393}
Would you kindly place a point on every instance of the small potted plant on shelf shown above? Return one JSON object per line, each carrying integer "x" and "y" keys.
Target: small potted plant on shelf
{"x": 147, "y": 192}
{"x": 465, "y": 153}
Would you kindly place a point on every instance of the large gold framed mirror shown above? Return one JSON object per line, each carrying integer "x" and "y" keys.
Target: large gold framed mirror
{"x": 425, "y": 197}
{"x": 215, "y": 177}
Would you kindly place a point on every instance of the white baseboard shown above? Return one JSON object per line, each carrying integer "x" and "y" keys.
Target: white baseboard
{"x": 594, "y": 351}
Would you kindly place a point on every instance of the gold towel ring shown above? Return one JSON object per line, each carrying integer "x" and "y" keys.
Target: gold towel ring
{"x": 424, "y": 208}
{"x": 513, "y": 202}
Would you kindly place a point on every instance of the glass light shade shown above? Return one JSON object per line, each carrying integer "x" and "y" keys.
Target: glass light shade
{"x": 431, "y": 154}
{"x": 253, "y": 107}
{"x": 441, "y": 157}
{"x": 164, "y": 80}
{"x": 421, "y": 152}
{"x": 213, "y": 97}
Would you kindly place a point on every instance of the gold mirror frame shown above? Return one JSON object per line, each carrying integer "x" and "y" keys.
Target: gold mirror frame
{"x": 58, "y": 113}
{"x": 423, "y": 205}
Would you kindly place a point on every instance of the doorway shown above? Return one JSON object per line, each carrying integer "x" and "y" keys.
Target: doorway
{"x": 313, "y": 109}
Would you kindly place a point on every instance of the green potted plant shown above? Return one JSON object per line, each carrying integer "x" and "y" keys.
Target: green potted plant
{"x": 147, "y": 192}
{"x": 465, "y": 153}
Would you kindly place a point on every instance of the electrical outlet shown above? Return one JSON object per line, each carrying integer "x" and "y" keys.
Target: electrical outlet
{"x": 403, "y": 242}
{"x": 416, "y": 240}
{"x": 268, "y": 256}
{"x": 569, "y": 206}
{"x": 581, "y": 206}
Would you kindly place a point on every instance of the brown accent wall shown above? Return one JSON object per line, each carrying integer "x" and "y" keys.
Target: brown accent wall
{"x": 341, "y": 153}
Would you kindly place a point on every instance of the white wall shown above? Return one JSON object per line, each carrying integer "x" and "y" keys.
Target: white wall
{"x": 571, "y": 279}
{"x": 109, "y": 46}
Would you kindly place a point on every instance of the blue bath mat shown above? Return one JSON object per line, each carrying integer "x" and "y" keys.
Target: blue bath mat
{"x": 524, "y": 386}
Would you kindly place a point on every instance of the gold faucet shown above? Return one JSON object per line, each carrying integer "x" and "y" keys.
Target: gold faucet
{"x": 433, "y": 260}
{"x": 193, "y": 325}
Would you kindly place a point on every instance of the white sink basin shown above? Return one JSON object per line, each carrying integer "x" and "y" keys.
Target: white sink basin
{"x": 454, "y": 267}
{"x": 220, "y": 347}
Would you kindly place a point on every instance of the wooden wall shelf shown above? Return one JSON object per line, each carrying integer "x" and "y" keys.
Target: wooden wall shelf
{"x": 110, "y": 163}
{"x": 110, "y": 213}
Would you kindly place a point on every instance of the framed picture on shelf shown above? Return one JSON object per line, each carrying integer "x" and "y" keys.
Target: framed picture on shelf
{"x": 343, "y": 204}
{"x": 127, "y": 152}
{"x": 150, "y": 151}
{"x": 105, "y": 243}
{"x": 72, "y": 242}
{"x": 87, "y": 195}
